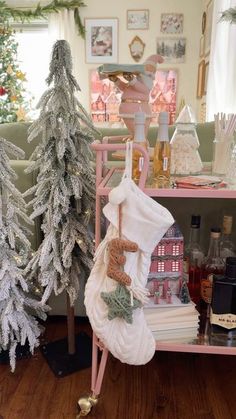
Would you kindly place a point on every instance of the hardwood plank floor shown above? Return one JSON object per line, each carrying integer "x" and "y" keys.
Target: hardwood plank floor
{"x": 171, "y": 386}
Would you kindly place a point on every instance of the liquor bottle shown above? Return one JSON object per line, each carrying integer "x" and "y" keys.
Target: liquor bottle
{"x": 213, "y": 265}
{"x": 161, "y": 158}
{"x": 227, "y": 247}
{"x": 139, "y": 138}
{"x": 193, "y": 258}
{"x": 223, "y": 306}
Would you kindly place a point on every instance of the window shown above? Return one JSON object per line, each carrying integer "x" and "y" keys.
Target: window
{"x": 161, "y": 250}
{"x": 160, "y": 266}
{"x": 34, "y": 48}
{"x": 175, "y": 266}
{"x": 175, "y": 250}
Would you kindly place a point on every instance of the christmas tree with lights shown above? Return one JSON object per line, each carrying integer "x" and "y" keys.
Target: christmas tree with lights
{"x": 13, "y": 104}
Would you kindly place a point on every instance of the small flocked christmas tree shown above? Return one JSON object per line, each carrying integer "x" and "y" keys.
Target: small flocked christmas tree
{"x": 18, "y": 325}
{"x": 184, "y": 293}
{"x": 65, "y": 189}
{"x": 13, "y": 105}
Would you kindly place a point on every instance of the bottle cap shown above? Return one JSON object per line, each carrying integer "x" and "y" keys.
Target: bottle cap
{"x": 139, "y": 118}
{"x": 163, "y": 118}
{"x": 230, "y": 269}
{"x": 195, "y": 221}
{"x": 215, "y": 232}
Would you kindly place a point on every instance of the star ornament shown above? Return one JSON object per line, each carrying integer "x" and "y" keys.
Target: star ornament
{"x": 119, "y": 303}
{"x": 21, "y": 114}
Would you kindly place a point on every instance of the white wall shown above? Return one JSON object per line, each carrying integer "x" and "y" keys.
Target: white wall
{"x": 192, "y": 10}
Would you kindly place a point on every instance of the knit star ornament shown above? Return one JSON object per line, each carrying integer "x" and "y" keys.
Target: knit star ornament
{"x": 119, "y": 303}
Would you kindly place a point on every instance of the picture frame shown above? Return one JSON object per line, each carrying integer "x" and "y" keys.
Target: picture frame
{"x": 163, "y": 96}
{"x": 105, "y": 97}
{"x": 138, "y": 19}
{"x": 104, "y": 100}
{"x": 209, "y": 16}
{"x": 202, "y": 46}
{"x": 201, "y": 79}
{"x": 172, "y": 23}
{"x": 206, "y": 77}
{"x": 203, "y": 22}
{"x": 136, "y": 48}
{"x": 173, "y": 50}
{"x": 101, "y": 40}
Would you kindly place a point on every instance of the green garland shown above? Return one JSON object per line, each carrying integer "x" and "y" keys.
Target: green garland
{"x": 229, "y": 15}
{"x": 41, "y": 12}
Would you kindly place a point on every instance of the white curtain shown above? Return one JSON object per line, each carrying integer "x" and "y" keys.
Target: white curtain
{"x": 62, "y": 26}
{"x": 221, "y": 87}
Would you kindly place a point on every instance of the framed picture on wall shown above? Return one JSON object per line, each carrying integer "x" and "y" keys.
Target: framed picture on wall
{"x": 138, "y": 19}
{"x": 202, "y": 46}
{"x": 105, "y": 100}
{"x": 101, "y": 40}
{"x": 163, "y": 95}
{"x": 201, "y": 79}
{"x": 172, "y": 49}
{"x": 105, "y": 97}
{"x": 206, "y": 77}
{"x": 209, "y": 16}
{"x": 172, "y": 22}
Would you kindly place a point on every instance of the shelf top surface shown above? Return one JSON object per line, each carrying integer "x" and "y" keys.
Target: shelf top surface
{"x": 114, "y": 176}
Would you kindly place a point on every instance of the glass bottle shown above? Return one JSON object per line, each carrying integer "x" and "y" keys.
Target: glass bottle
{"x": 213, "y": 265}
{"x": 161, "y": 158}
{"x": 193, "y": 258}
{"x": 223, "y": 306}
{"x": 227, "y": 247}
{"x": 139, "y": 138}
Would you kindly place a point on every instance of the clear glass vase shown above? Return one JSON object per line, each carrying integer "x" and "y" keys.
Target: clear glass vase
{"x": 231, "y": 169}
{"x": 222, "y": 151}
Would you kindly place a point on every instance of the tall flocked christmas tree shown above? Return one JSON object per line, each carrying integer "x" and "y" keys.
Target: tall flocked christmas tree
{"x": 17, "y": 325}
{"x": 65, "y": 191}
{"x": 13, "y": 104}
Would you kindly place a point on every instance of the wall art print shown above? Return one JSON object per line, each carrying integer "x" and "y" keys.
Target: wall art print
{"x": 105, "y": 97}
{"x": 172, "y": 49}
{"x": 101, "y": 40}
{"x": 138, "y": 19}
{"x": 172, "y": 22}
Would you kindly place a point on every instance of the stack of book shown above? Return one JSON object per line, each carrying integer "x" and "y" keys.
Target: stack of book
{"x": 175, "y": 321}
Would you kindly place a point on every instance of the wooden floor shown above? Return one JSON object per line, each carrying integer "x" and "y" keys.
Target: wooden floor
{"x": 171, "y": 386}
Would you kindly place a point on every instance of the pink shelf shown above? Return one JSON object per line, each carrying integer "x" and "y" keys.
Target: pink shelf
{"x": 195, "y": 348}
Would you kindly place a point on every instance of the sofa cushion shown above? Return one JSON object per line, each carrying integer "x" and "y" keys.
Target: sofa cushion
{"x": 23, "y": 182}
{"x": 205, "y": 134}
{"x": 17, "y": 133}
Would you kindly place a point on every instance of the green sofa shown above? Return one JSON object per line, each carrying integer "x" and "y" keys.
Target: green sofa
{"x": 211, "y": 210}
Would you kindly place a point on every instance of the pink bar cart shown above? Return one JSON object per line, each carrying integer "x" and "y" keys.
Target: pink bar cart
{"x": 104, "y": 185}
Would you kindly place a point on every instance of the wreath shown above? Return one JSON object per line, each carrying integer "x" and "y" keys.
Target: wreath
{"x": 41, "y": 12}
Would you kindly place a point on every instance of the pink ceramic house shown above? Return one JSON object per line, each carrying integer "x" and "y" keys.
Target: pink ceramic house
{"x": 167, "y": 263}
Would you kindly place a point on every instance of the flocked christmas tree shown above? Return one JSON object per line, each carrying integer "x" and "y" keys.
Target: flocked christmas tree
{"x": 18, "y": 325}
{"x": 65, "y": 191}
{"x": 13, "y": 104}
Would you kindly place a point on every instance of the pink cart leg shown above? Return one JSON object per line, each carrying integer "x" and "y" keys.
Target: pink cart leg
{"x": 98, "y": 371}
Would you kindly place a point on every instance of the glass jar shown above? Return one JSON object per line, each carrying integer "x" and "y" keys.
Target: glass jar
{"x": 222, "y": 155}
{"x": 185, "y": 158}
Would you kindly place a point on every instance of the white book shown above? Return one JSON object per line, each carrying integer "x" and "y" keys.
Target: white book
{"x": 172, "y": 313}
{"x": 155, "y": 320}
{"x": 174, "y": 326}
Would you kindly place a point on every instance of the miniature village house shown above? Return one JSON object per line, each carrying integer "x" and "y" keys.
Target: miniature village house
{"x": 167, "y": 263}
